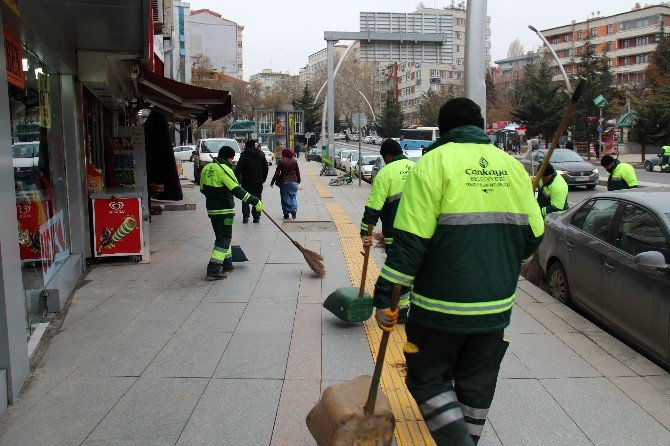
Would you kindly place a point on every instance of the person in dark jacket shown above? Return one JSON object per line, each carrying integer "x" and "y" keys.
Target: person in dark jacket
{"x": 287, "y": 177}
{"x": 252, "y": 171}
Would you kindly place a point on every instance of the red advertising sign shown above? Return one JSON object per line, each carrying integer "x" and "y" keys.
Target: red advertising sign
{"x": 117, "y": 227}
{"x": 31, "y": 214}
{"x": 13, "y": 59}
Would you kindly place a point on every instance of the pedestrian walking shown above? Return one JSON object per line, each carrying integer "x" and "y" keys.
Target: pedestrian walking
{"x": 297, "y": 150}
{"x": 252, "y": 171}
{"x": 219, "y": 185}
{"x": 570, "y": 145}
{"x": 552, "y": 195}
{"x": 622, "y": 175}
{"x": 466, "y": 221}
{"x": 287, "y": 177}
{"x": 384, "y": 198}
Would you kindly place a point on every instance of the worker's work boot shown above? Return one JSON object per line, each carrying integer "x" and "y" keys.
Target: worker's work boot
{"x": 218, "y": 276}
{"x": 228, "y": 268}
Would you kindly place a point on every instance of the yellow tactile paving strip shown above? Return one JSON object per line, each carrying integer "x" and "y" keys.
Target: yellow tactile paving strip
{"x": 410, "y": 428}
{"x": 319, "y": 186}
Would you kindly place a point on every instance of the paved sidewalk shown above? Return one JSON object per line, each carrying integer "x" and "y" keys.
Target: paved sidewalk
{"x": 154, "y": 355}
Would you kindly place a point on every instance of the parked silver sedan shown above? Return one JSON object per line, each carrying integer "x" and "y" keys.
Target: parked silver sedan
{"x": 610, "y": 256}
{"x": 574, "y": 169}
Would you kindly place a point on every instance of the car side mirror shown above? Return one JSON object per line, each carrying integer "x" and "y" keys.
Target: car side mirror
{"x": 651, "y": 261}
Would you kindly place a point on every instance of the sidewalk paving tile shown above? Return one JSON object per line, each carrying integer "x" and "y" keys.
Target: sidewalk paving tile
{"x": 227, "y": 407}
{"x": 189, "y": 353}
{"x": 255, "y": 356}
{"x": 605, "y": 413}
{"x": 153, "y": 412}
{"x": 297, "y": 399}
{"x": 267, "y": 317}
{"x": 629, "y": 357}
{"x": 646, "y": 396}
{"x": 522, "y": 322}
{"x": 602, "y": 361}
{"x": 345, "y": 356}
{"x": 215, "y": 317}
{"x": 304, "y": 359}
{"x": 547, "y": 357}
{"x": 69, "y": 413}
{"x": 524, "y": 413}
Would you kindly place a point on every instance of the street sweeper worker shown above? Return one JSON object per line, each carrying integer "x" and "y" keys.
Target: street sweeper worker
{"x": 665, "y": 158}
{"x": 622, "y": 175}
{"x": 384, "y": 197}
{"x": 552, "y": 195}
{"x": 467, "y": 220}
{"x": 219, "y": 185}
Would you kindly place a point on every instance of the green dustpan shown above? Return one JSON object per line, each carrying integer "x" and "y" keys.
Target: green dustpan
{"x": 352, "y": 304}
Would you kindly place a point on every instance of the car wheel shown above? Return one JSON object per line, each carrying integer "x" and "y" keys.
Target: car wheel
{"x": 591, "y": 187}
{"x": 558, "y": 285}
{"x": 648, "y": 166}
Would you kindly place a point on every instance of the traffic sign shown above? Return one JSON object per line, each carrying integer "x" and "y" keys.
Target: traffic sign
{"x": 600, "y": 101}
{"x": 308, "y": 135}
{"x": 599, "y": 128}
{"x": 359, "y": 120}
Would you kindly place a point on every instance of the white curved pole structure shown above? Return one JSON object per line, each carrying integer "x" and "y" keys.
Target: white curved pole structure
{"x": 325, "y": 102}
{"x": 553, "y": 53}
{"x": 374, "y": 118}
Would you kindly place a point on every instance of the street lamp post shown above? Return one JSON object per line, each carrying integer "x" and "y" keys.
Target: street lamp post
{"x": 553, "y": 53}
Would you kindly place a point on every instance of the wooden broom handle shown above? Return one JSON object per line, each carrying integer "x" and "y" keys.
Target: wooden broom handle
{"x": 366, "y": 258}
{"x": 369, "y": 408}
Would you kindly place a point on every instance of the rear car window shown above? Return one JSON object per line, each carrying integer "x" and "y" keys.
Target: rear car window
{"x": 640, "y": 231}
{"x": 598, "y": 220}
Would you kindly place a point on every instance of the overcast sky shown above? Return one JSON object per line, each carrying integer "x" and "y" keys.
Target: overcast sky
{"x": 281, "y": 34}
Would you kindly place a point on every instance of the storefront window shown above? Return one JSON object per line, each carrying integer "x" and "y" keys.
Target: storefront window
{"x": 39, "y": 178}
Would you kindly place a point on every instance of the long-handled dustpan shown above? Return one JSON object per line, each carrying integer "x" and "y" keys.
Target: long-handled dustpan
{"x": 344, "y": 416}
{"x": 352, "y": 304}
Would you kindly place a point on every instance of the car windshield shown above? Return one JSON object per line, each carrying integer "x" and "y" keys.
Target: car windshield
{"x": 354, "y": 156}
{"x": 26, "y": 150}
{"x": 213, "y": 145}
{"x": 564, "y": 156}
{"x": 369, "y": 160}
{"x": 414, "y": 159}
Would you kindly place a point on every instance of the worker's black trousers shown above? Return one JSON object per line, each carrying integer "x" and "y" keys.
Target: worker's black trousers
{"x": 453, "y": 378}
{"x": 222, "y": 256}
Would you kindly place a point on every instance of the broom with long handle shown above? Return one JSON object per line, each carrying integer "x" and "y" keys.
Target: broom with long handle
{"x": 532, "y": 270}
{"x": 313, "y": 259}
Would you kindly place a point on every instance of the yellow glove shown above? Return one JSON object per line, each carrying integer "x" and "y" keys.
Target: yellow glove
{"x": 259, "y": 206}
{"x": 367, "y": 241}
{"x": 386, "y": 319}
{"x": 532, "y": 179}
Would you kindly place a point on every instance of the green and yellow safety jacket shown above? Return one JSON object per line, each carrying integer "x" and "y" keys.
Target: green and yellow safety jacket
{"x": 467, "y": 220}
{"x": 219, "y": 188}
{"x": 553, "y": 196}
{"x": 665, "y": 156}
{"x": 622, "y": 177}
{"x": 385, "y": 196}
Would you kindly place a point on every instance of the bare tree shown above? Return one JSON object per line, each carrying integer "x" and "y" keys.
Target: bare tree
{"x": 515, "y": 49}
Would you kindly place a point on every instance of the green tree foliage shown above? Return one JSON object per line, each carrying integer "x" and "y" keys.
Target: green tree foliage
{"x": 652, "y": 124}
{"x": 538, "y": 102}
{"x": 312, "y": 110}
{"x": 431, "y": 101}
{"x": 389, "y": 121}
{"x": 594, "y": 68}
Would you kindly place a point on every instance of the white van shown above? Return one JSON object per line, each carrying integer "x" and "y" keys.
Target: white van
{"x": 208, "y": 148}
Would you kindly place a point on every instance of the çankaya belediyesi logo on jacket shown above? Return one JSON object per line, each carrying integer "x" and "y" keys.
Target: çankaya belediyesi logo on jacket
{"x": 483, "y": 163}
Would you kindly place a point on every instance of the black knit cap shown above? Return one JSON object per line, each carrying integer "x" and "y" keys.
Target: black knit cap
{"x": 549, "y": 170}
{"x": 606, "y": 160}
{"x": 458, "y": 112}
{"x": 250, "y": 144}
{"x": 226, "y": 152}
{"x": 390, "y": 147}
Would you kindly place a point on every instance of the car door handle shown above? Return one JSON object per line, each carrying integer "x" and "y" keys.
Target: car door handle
{"x": 608, "y": 266}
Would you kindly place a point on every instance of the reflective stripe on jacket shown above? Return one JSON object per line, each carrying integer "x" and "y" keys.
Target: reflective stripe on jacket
{"x": 553, "y": 196}
{"x": 622, "y": 177}
{"x": 219, "y": 185}
{"x": 467, "y": 219}
{"x": 385, "y": 196}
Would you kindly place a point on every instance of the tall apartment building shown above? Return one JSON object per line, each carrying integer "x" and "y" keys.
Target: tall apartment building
{"x": 218, "y": 39}
{"x": 268, "y": 78}
{"x": 177, "y": 46}
{"x": 410, "y": 80}
{"x": 628, "y": 38}
{"x": 508, "y": 71}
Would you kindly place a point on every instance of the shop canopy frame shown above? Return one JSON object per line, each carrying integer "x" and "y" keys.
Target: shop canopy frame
{"x": 183, "y": 100}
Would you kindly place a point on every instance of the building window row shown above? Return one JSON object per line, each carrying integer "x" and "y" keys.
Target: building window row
{"x": 639, "y": 23}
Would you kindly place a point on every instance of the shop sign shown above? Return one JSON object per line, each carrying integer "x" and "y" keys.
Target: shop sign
{"x": 13, "y": 5}
{"x": 117, "y": 229}
{"x": 44, "y": 90}
{"x": 52, "y": 242}
{"x": 13, "y": 59}
{"x": 290, "y": 130}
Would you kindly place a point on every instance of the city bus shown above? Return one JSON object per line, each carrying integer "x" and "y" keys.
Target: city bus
{"x": 413, "y": 139}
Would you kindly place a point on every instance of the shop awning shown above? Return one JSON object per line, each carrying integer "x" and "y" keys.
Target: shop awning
{"x": 184, "y": 100}
{"x": 627, "y": 119}
{"x": 242, "y": 127}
